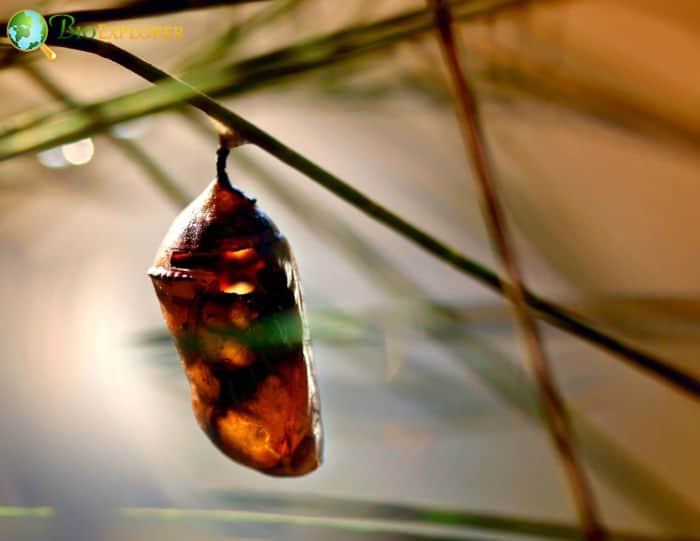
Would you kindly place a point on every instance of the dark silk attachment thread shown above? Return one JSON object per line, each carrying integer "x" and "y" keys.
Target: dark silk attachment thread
{"x": 221, "y": 175}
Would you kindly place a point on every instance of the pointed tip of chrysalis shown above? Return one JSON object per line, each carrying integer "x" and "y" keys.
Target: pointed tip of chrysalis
{"x": 225, "y": 189}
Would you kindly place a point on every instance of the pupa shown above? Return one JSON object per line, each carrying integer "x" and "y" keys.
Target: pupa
{"x": 228, "y": 287}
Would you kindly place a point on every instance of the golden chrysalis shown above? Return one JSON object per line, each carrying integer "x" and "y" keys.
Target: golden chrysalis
{"x": 227, "y": 284}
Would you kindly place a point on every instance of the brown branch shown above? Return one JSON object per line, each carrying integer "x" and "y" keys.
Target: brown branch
{"x": 551, "y": 401}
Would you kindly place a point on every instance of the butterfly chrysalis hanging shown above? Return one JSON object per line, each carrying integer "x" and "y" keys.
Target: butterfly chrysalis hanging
{"x": 228, "y": 288}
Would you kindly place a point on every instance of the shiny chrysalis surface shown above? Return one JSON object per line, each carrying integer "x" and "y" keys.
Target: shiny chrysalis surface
{"x": 228, "y": 287}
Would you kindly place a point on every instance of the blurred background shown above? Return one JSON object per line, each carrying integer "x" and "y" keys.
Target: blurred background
{"x": 592, "y": 113}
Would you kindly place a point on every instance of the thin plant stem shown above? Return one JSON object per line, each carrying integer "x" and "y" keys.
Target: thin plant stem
{"x": 179, "y": 91}
{"x": 551, "y": 401}
{"x": 419, "y": 513}
{"x": 446, "y": 519}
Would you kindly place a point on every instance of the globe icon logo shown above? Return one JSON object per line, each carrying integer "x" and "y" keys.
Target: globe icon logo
{"x": 27, "y": 30}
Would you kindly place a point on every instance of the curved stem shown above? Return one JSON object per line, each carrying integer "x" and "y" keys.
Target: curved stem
{"x": 551, "y": 400}
{"x": 221, "y": 175}
{"x": 546, "y": 310}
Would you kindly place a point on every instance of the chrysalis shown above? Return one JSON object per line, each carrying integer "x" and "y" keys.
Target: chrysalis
{"x": 228, "y": 288}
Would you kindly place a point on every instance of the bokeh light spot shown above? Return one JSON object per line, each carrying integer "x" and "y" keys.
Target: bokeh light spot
{"x": 80, "y": 152}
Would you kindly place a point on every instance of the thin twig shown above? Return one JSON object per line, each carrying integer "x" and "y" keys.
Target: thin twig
{"x": 401, "y": 519}
{"x": 173, "y": 91}
{"x": 551, "y": 401}
{"x": 329, "y": 506}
